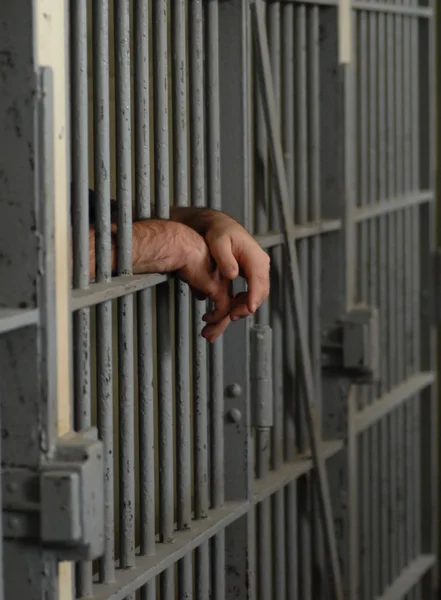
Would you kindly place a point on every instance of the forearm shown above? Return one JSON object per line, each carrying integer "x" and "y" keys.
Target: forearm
{"x": 157, "y": 247}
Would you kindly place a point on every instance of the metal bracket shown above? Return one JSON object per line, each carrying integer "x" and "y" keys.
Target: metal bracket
{"x": 62, "y": 504}
{"x": 351, "y": 349}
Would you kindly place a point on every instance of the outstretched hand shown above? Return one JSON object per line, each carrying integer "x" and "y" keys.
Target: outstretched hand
{"x": 237, "y": 253}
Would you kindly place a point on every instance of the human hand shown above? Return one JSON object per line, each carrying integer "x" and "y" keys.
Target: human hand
{"x": 236, "y": 252}
{"x": 206, "y": 282}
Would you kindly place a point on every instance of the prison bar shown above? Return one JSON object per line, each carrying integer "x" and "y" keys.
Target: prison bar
{"x": 360, "y": 32}
{"x": 418, "y": 230}
{"x": 80, "y": 237}
{"x": 101, "y": 124}
{"x": 373, "y": 291}
{"x": 164, "y": 347}
{"x": 408, "y": 348}
{"x": 144, "y": 300}
{"x": 216, "y": 379}
{"x": 400, "y": 286}
{"x": 262, "y": 445}
{"x": 182, "y": 297}
{"x": 200, "y": 381}
{"x": 276, "y": 316}
{"x": 315, "y": 266}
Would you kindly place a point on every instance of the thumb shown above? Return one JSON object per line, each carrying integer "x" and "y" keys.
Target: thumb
{"x": 222, "y": 252}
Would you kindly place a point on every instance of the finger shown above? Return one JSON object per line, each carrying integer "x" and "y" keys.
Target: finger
{"x": 215, "y": 315}
{"x": 213, "y": 331}
{"x": 257, "y": 275}
{"x": 221, "y": 251}
{"x": 221, "y": 297}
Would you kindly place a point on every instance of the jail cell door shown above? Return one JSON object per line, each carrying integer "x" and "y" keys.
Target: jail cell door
{"x": 342, "y": 164}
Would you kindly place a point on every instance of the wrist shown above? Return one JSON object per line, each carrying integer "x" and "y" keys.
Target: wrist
{"x": 162, "y": 246}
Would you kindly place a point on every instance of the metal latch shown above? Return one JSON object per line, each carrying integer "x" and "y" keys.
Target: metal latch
{"x": 351, "y": 349}
{"x": 62, "y": 504}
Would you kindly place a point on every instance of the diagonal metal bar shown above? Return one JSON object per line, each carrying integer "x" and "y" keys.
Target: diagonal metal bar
{"x": 311, "y": 415}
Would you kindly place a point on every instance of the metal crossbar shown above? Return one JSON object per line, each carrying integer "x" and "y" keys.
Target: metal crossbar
{"x": 308, "y": 397}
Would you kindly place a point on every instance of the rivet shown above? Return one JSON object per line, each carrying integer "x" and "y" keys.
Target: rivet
{"x": 234, "y": 415}
{"x": 234, "y": 390}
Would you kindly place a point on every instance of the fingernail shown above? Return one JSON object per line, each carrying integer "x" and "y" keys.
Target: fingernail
{"x": 235, "y": 318}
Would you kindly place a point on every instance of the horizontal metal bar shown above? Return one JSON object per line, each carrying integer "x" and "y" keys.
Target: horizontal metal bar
{"x": 409, "y": 11}
{"x": 371, "y": 211}
{"x": 410, "y": 576}
{"x": 16, "y": 318}
{"x": 290, "y": 471}
{"x": 116, "y": 288}
{"x": 390, "y": 401}
{"x": 129, "y": 580}
{"x": 147, "y": 567}
{"x": 276, "y": 238}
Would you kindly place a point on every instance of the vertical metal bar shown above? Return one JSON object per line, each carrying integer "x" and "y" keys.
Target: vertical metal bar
{"x": 217, "y": 550}
{"x": 278, "y": 517}
{"x": 288, "y": 129}
{"x": 101, "y": 151}
{"x": 354, "y": 444}
{"x": 292, "y": 581}
{"x": 408, "y": 295}
{"x": 400, "y": 290}
{"x": 305, "y": 567}
{"x": 391, "y": 291}
{"x": 80, "y": 224}
{"x": 382, "y": 250}
{"x": 407, "y": 106}
{"x": 126, "y": 403}
{"x": 315, "y": 331}
{"x": 363, "y": 192}
{"x": 265, "y": 563}
{"x": 182, "y": 297}
{"x": 198, "y": 196}
{"x": 164, "y": 347}
{"x": 372, "y": 110}
{"x": 145, "y": 338}
{"x": 263, "y": 436}
{"x": 234, "y": 80}
{"x": 261, "y": 180}
{"x": 416, "y": 283}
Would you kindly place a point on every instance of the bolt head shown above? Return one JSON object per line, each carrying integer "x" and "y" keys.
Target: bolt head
{"x": 234, "y": 415}
{"x": 234, "y": 390}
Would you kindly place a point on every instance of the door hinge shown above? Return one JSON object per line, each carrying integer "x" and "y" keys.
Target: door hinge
{"x": 62, "y": 503}
{"x": 351, "y": 348}
{"x": 261, "y": 369}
